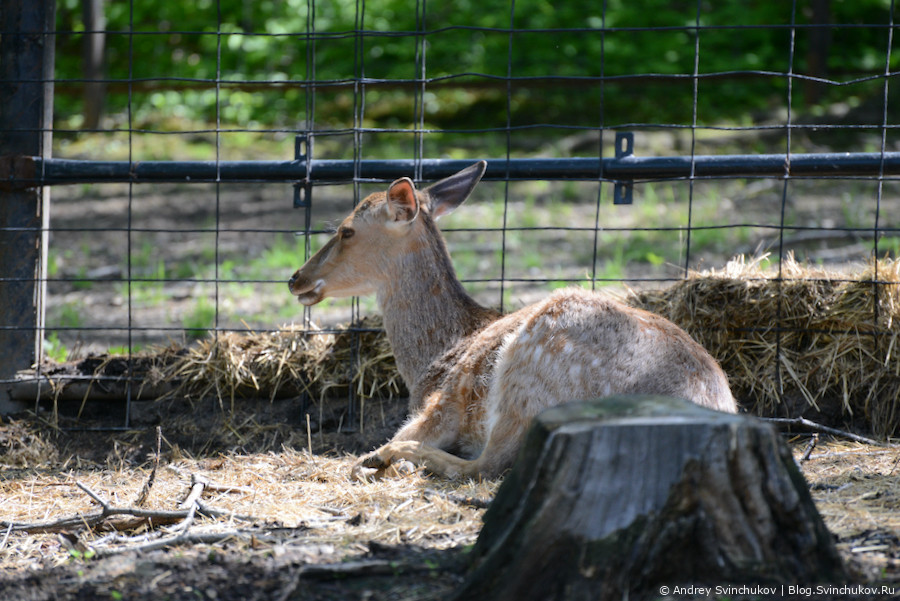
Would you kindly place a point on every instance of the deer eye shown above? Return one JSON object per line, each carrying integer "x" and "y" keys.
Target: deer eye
{"x": 346, "y": 232}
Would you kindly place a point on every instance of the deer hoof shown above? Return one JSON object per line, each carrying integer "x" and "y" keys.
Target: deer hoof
{"x": 369, "y": 468}
{"x": 373, "y": 460}
{"x": 362, "y": 473}
{"x": 403, "y": 467}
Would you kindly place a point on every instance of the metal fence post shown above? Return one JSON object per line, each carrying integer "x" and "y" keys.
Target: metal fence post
{"x": 27, "y": 43}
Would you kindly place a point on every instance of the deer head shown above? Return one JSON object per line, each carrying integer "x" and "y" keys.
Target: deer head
{"x": 369, "y": 244}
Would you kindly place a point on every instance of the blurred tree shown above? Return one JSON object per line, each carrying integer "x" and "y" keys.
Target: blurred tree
{"x": 94, "y": 44}
{"x": 258, "y": 50}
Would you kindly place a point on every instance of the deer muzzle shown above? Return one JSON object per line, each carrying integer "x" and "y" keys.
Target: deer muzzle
{"x": 307, "y": 291}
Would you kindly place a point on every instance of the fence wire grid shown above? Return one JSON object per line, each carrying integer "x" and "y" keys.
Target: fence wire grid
{"x": 125, "y": 263}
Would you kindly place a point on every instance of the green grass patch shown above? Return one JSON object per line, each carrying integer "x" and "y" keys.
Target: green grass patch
{"x": 200, "y": 319}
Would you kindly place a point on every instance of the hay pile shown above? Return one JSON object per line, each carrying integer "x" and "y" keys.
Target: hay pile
{"x": 811, "y": 340}
{"x": 288, "y": 362}
{"x": 21, "y": 445}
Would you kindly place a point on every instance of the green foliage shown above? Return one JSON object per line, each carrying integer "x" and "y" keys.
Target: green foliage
{"x": 200, "y": 318}
{"x": 124, "y": 350}
{"x": 81, "y": 556}
{"x": 70, "y": 315}
{"x": 468, "y": 47}
{"x": 54, "y": 348}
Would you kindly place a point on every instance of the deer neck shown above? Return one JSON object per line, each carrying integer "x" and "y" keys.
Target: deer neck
{"x": 425, "y": 308}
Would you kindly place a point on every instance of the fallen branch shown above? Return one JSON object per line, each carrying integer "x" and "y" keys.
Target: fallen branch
{"x": 195, "y": 538}
{"x": 802, "y": 421}
{"x": 363, "y": 568}
{"x": 813, "y": 441}
{"x": 184, "y": 538}
{"x": 5, "y": 536}
{"x": 458, "y": 499}
{"x": 157, "y": 517}
{"x": 191, "y": 502}
{"x": 145, "y": 490}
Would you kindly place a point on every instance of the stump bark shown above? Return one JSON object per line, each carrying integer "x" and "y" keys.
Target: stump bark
{"x": 619, "y": 496}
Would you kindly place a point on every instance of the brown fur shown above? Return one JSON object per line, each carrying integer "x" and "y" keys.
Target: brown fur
{"x": 476, "y": 377}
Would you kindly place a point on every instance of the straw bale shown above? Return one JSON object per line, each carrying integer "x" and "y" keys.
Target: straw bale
{"x": 802, "y": 341}
{"x": 290, "y": 361}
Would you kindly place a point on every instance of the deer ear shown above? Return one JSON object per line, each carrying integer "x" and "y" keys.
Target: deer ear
{"x": 444, "y": 196}
{"x": 402, "y": 202}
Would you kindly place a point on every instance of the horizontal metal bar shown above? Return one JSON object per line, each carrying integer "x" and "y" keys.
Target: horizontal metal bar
{"x": 22, "y": 172}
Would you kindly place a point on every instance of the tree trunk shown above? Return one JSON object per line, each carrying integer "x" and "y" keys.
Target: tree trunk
{"x": 624, "y": 495}
{"x": 94, "y": 49}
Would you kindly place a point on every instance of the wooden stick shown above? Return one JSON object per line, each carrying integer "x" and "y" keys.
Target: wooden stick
{"x": 5, "y": 536}
{"x": 93, "y": 495}
{"x": 809, "y": 447}
{"x": 197, "y": 538}
{"x": 198, "y": 484}
{"x": 157, "y": 516}
{"x": 459, "y": 499}
{"x": 802, "y": 421}
{"x": 145, "y": 490}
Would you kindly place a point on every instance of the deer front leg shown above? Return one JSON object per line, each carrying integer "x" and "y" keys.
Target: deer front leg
{"x": 416, "y": 443}
{"x": 396, "y": 455}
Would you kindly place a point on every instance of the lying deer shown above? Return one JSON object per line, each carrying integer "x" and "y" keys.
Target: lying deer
{"x": 476, "y": 377}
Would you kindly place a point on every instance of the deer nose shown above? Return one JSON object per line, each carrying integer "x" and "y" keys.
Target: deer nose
{"x": 292, "y": 280}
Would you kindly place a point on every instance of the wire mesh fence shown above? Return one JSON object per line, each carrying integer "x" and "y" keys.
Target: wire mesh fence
{"x": 768, "y": 131}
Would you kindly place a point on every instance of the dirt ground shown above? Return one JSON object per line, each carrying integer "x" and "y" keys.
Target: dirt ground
{"x": 358, "y": 541}
{"x": 290, "y": 555}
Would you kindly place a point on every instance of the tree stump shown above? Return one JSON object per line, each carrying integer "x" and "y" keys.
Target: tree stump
{"x": 624, "y": 495}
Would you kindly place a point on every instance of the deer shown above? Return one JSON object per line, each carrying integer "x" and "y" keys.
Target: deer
{"x": 476, "y": 377}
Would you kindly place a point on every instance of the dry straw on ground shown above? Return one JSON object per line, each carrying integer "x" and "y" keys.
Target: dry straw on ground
{"x": 304, "y": 506}
{"x": 262, "y": 503}
{"x": 802, "y": 340}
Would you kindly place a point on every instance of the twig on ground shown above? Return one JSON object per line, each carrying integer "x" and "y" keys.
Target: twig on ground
{"x": 184, "y": 538}
{"x": 198, "y": 485}
{"x": 191, "y": 502}
{"x": 145, "y": 490}
{"x": 6, "y": 536}
{"x": 362, "y": 568}
{"x": 802, "y": 421}
{"x": 221, "y": 513}
{"x": 157, "y": 517}
{"x": 224, "y": 488}
{"x": 459, "y": 499}
{"x": 809, "y": 447}
{"x": 93, "y": 495}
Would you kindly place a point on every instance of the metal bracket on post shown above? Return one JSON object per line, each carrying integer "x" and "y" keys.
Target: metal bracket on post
{"x": 623, "y": 191}
{"x": 303, "y": 200}
{"x": 303, "y": 153}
